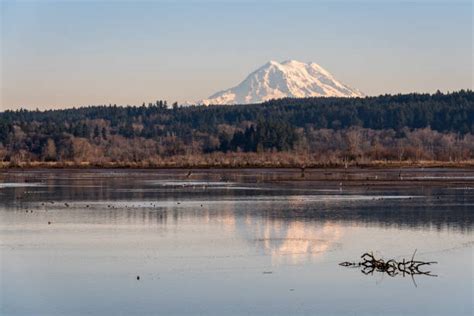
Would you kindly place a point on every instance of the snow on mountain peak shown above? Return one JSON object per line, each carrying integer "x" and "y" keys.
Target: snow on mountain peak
{"x": 290, "y": 78}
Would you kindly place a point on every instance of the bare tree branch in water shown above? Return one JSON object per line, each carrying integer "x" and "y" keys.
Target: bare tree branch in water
{"x": 370, "y": 264}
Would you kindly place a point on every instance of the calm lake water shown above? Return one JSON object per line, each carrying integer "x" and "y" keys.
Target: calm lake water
{"x": 233, "y": 242}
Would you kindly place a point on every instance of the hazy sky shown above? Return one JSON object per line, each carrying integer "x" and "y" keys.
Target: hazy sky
{"x": 70, "y": 53}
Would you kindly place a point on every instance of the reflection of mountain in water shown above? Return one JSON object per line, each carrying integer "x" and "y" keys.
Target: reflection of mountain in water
{"x": 289, "y": 241}
{"x": 284, "y": 240}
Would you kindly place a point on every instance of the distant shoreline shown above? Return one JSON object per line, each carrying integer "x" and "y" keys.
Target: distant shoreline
{"x": 235, "y": 165}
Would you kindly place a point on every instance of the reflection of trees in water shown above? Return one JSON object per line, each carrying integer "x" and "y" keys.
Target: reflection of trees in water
{"x": 422, "y": 213}
{"x": 396, "y": 213}
{"x": 427, "y": 212}
{"x": 441, "y": 211}
{"x": 437, "y": 206}
{"x": 123, "y": 188}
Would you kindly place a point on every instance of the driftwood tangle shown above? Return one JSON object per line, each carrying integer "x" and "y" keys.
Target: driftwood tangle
{"x": 405, "y": 267}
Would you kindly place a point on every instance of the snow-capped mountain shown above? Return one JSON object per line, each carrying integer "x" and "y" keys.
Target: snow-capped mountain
{"x": 276, "y": 80}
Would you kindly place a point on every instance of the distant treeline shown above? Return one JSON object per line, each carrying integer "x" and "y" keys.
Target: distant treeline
{"x": 324, "y": 130}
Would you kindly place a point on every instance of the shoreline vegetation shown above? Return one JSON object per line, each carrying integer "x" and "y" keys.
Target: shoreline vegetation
{"x": 424, "y": 130}
{"x": 238, "y": 161}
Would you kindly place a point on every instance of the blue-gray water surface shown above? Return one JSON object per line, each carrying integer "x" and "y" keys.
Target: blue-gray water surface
{"x": 233, "y": 242}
